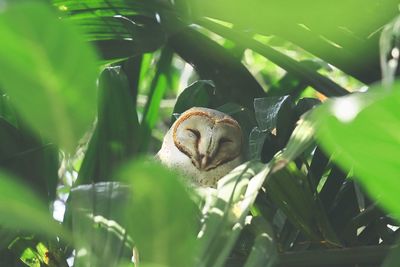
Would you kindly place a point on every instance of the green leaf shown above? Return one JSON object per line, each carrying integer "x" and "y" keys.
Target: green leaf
{"x": 33, "y": 162}
{"x": 48, "y": 71}
{"x": 361, "y": 131}
{"x": 290, "y": 190}
{"x": 30, "y": 258}
{"x": 393, "y": 257}
{"x": 21, "y": 209}
{"x": 162, "y": 217}
{"x": 157, "y": 89}
{"x": 120, "y": 37}
{"x": 333, "y": 32}
{"x": 116, "y": 137}
{"x": 96, "y": 212}
{"x": 198, "y": 94}
{"x": 264, "y": 251}
{"x": 313, "y": 78}
{"x": 266, "y": 110}
{"x": 226, "y": 212}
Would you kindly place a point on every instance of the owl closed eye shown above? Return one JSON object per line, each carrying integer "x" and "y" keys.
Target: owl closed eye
{"x": 204, "y": 144}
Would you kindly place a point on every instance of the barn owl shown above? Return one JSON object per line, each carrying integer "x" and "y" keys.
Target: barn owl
{"x": 204, "y": 144}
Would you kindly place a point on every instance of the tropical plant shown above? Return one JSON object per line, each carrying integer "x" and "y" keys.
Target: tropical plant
{"x": 89, "y": 87}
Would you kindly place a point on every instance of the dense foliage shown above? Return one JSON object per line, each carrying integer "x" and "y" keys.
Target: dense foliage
{"x": 88, "y": 88}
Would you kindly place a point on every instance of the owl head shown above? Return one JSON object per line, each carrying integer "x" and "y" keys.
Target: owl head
{"x": 204, "y": 144}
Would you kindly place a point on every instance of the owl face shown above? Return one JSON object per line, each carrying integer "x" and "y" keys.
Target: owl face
{"x": 203, "y": 143}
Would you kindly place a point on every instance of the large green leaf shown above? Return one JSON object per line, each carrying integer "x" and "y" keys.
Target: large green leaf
{"x": 32, "y": 161}
{"x": 361, "y": 131}
{"x": 301, "y": 71}
{"x": 162, "y": 217}
{"x": 116, "y": 137}
{"x": 342, "y": 33}
{"x": 48, "y": 71}
{"x": 96, "y": 212}
{"x": 21, "y": 209}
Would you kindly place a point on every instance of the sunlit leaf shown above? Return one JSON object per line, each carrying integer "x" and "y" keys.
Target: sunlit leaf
{"x": 158, "y": 87}
{"x": 97, "y": 212}
{"x": 362, "y": 132}
{"x": 48, "y": 71}
{"x": 225, "y": 215}
{"x": 160, "y": 214}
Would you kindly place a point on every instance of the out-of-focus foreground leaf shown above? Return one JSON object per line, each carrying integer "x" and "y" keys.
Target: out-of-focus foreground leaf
{"x": 331, "y": 30}
{"x": 29, "y": 159}
{"x": 96, "y": 212}
{"x": 361, "y": 131}
{"x": 48, "y": 71}
{"x": 21, "y": 209}
{"x": 162, "y": 217}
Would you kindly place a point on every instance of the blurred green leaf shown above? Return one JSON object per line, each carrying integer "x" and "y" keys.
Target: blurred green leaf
{"x": 160, "y": 214}
{"x": 21, "y": 209}
{"x": 33, "y": 162}
{"x": 97, "y": 213}
{"x": 332, "y": 31}
{"x": 7, "y": 112}
{"x": 364, "y": 256}
{"x": 393, "y": 257}
{"x": 321, "y": 83}
{"x": 48, "y": 71}
{"x": 388, "y": 43}
{"x": 116, "y": 137}
{"x": 30, "y": 258}
{"x": 361, "y": 132}
{"x": 290, "y": 84}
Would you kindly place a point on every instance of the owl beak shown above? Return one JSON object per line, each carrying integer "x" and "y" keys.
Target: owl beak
{"x": 203, "y": 162}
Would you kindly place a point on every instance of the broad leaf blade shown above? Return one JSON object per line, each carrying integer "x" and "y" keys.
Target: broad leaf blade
{"x": 48, "y": 71}
{"x": 362, "y": 132}
{"x": 21, "y": 209}
{"x": 97, "y": 211}
{"x": 161, "y": 212}
{"x": 116, "y": 137}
